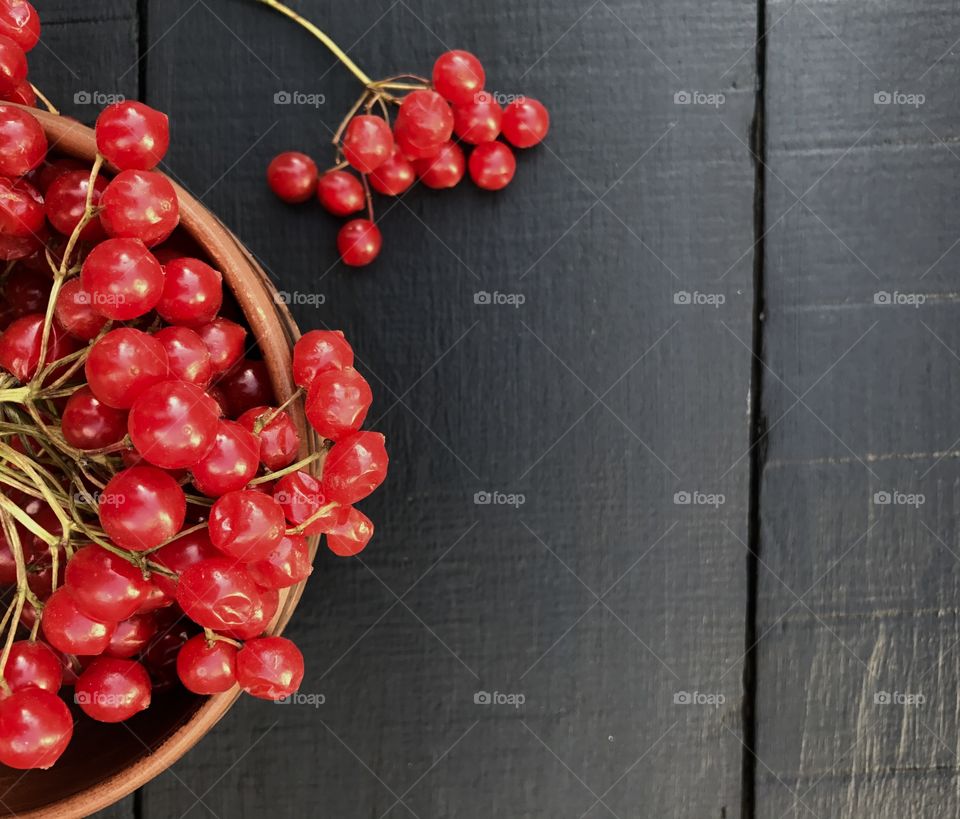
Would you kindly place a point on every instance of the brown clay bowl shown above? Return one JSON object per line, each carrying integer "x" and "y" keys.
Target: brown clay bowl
{"x": 104, "y": 763}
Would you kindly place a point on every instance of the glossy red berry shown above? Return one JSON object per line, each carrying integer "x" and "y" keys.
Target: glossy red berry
{"x": 245, "y": 385}
{"x": 341, "y": 193}
{"x": 279, "y": 441}
{"x": 66, "y": 202}
{"x": 230, "y": 464}
{"x": 21, "y": 209}
{"x": 218, "y": 594}
{"x": 355, "y": 466}
{"x": 13, "y": 65}
{"x": 270, "y": 667}
{"x": 132, "y": 135}
{"x": 246, "y": 525}
{"x": 173, "y": 424}
{"x": 319, "y": 350}
{"x": 207, "y": 667}
{"x": 35, "y": 729}
{"x": 187, "y": 356}
{"x": 445, "y": 169}
{"x": 112, "y": 690}
{"x": 458, "y": 76}
{"x": 74, "y": 311}
{"x": 349, "y": 532}
{"x": 71, "y": 631}
{"x": 287, "y": 565}
{"x": 257, "y": 625}
{"x": 367, "y": 143}
{"x": 525, "y": 122}
{"x": 23, "y": 144}
{"x": 122, "y": 364}
{"x": 478, "y": 120}
{"x": 103, "y": 585}
{"x": 394, "y": 176}
{"x": 424, "y": 123}
{"x": 124, "y": 279}
{"x": 225, "y": 340}
{"x": 141, "y": 507}
{"x": 192, "y": 292}
{"x": 23, "y": 94}
{"x": 33, "y": 664}
{"x": 337, "y": 402}
{"x": 140, "y": 205}
{"x": 292, "y": 176}
{"x": 492, "y": 166}
{"x": 300, "y": 496}
{"x": 180, "y": 554}
{"x": 88, "y": 423}
{"x": 359, "y": 242}
{"x": 132, "y": 635}
{"x": 20, "y": 346}
{"x": 20, "y": 22}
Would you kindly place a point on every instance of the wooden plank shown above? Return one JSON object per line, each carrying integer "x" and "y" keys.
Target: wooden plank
{"x": 483, "y": 398}
{"x": 857, "y": 663}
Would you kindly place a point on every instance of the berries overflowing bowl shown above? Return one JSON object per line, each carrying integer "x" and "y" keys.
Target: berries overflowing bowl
{"x": 170, "y": 452}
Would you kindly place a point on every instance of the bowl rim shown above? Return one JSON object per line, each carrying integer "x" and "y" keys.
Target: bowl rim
{"x": 275, "y": 331}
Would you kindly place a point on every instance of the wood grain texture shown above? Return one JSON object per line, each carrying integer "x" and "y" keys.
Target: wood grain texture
{"x": 857, "y": 706}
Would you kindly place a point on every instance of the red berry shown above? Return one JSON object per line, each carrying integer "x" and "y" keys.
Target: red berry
{"x": 180, "y": 554}
{"x": 192, "y": 292}
{"x": 458, "y": 76}
{"x": 246, "y": 525}
{"x": 394, "y": 176}
{"x": 246, "y": 384}
{"x": 124, "y": 279}
{"x": 23, "y": 94}
{"x": 270, "y": 668}
{"x": 300, "y": 497}
{"x": 13, "y": 65}
{"x": 187, "y": 355}
{"x": 225, "y": 341}
{"x": 525, "y": 122}
{"x": 287, "y": 565}
{"x": 292, "y": 176}
{"x": 354, "y": 467}
{"x": 123, "y": 364}
{"x": 207, "y": 668}
{"x": 50, "y": 171}
{"x": 320, "y": 350}
{"x": 103, "y": 585}
{"x": 132, "y": 135}
{"x": 368, "y": 142}
{"x": 337, "y": 402}
{"x": 341, "y": 193}
{"x": 359, "y": 242}
{"x": 35, "y": 729}
{"x": 23, "y": 144}
{"x": 231, "y": 464}
{"x": 478, "y": 120}
{"x": 349, "y": 532}
{"x": 69, "y": 630}
{"x": 423, "y": 124}
{"x": 270, "y": 600}
{"x": 279, "y": 441}
{"x": 112, "y": 690}
{"x": 20, "y": 346}
{"x": 140, "y": 205}
{"x": 20, "y": 22}
{"x": 132, "y": 635}
{"x": 75, "y": 314}
{"x": 141, "y": 507}
{"x": 445, "y": 169}
{"x": 88, "y": 423}
{"x": 33, "y": 664}
{"x": 218, "y": 594}
{"x": 173, "y": 424}
{"x": 66, "y": 201}
{"x": 492, "y": 166}
{"x": 21, "y": 209}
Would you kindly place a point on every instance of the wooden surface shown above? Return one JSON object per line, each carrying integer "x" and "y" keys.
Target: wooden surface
{"x": 783, "y": 601}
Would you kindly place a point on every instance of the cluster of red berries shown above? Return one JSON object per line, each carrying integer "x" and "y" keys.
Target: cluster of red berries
{"x": 419, "y": 146}
{"x": 153, "y": 499}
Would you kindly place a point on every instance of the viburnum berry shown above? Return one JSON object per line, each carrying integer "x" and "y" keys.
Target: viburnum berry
{"x": 187, "y": 356}
{"x": 317, "y": 351}
{"x": 292, "y": 176}
{"x": 492, "y": 166}
{"x": 230, "y": 464}
{"x": 173, "y": 424}
{"x": 359, "y": 242}
{"x": 122, "y": 364}
{"x": 20, "y": 22}
{"x": 279, "y": 441}
{"x": 349, "y": 532}
{"x": 66, "y": 201}
{"x": 424, "y": 123}
{"x": 207, "y": 667}
{"x": 355, "y": 466}
{"x": 140, "y": 205}
{"x": 218, "y": 594}
{"x": 23, "y": 94}
{"x": 367, "y": 143}
{"x": 141, "y": 507}
{"x": 133, "y": 635}
{"x": 88, "y": 423}
{"x": 458, "y": 76}
{"x": 525, "y": 122}
{"x": 23, "y": 144}
{"x": 246, "y": 525}
{"x": 300, "y": 496}
{"x": 13, "y": 65}
{"x": 245, "y": 385}
{"x": 20, "y": 346}
{"x": 178, "y": 555}
{"x": 192, "y": 292}
{"x": 257, "y": 625}
{"x": 478, "y": 120}
{"x": 337, "y": 402}
{"x": 341, "y": 193}
{"x": 112, "y": 689}
{"x": 21, "y": 209}
{"x": 269, "y": 667}
{"x": 132, "y": 136}
{"x": 124, "y": 279}
{"x": 69, "y": 630}
{"x": 394, "y": 176}
{"x": 33, "y": 663}
{"x": 288, "y": 564}
{"x": 225, "y": 340}
{"x": 445, "y": 169}
{"x": 74, "y": 311}
{"x": 103, "y": 585}
{"x": 35, "y": 728}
